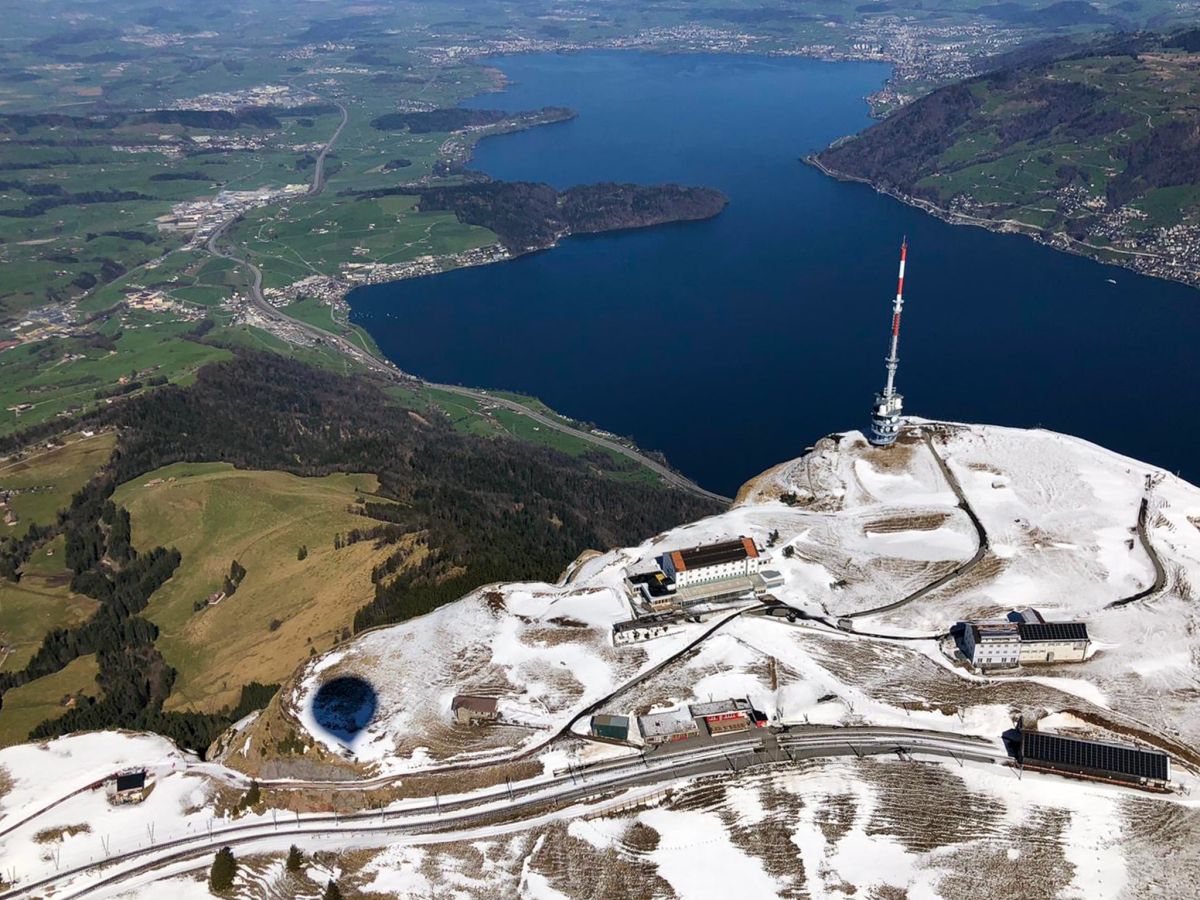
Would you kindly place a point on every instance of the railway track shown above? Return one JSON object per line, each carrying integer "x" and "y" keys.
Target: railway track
{"x": 511, "y": 809}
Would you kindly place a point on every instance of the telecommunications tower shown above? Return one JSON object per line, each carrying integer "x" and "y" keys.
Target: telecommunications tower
{"x": 885, "y": 417}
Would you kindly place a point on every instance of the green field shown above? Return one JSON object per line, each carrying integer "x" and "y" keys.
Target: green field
{"x": 31, "y": 608}
{"x": 63, "y": 374}
{"x": 319, "y": 236}
{"x": 215, "y": 514}
{"x": 43, "y": 480}
{"x": 31, "y": 704}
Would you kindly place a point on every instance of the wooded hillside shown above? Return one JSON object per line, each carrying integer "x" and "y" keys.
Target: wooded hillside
{"x": 1097, "y": 149}
{"x": 457, "y": 511}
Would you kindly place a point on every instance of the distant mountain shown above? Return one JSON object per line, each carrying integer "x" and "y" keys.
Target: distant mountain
{"x": 1094, "y": 148}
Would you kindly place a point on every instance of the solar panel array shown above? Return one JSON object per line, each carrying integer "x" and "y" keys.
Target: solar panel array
{"x": 1053, "y": 631}
{"x": 131, "y": 781}
{"x": 1054, "y": 750}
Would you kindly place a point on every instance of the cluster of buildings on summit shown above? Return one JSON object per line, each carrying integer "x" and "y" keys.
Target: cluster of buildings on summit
{"x": 691, "y": 584}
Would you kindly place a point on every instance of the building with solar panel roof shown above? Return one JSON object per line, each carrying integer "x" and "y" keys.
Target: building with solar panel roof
{"x": 1093, "y": 759}
{"x": 1024, "y": 638}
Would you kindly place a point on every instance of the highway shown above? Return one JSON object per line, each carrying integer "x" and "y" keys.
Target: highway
{"x": 512, "y": 806}
{"x": 318, "y": 182}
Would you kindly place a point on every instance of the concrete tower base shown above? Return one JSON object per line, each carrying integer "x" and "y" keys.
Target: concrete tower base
{"x": 885, "y": 420}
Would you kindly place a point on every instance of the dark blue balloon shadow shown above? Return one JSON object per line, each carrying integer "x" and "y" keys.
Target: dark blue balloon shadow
{"x": 345, "y": 706}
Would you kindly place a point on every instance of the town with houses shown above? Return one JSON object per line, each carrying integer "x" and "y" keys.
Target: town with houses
{"x": 274, "y": 95}
{"x": 206, "y": 216}
{"x": 1171, "y": 252}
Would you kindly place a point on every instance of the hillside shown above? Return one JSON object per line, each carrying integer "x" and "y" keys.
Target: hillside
{"x": 285, "y": 605}
{"x": 1097, "y": 152}
{"x": 345, "y": 510}
{"x": 865, "y": 527}
{"x": 426, "y": 806}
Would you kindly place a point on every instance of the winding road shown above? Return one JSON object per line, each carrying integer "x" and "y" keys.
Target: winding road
{"x": 981, "y": 550}
{"x": 1160, "y": 573}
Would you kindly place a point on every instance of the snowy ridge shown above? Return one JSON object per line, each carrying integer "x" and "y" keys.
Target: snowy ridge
{"x": 865, "y": 527}
{"x": 858, "y": 530}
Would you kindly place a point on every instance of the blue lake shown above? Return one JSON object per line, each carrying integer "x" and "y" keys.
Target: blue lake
{"x": 732, "y": 344}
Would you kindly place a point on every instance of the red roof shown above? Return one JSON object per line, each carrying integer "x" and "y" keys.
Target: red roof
{"x": 713, "y": 554}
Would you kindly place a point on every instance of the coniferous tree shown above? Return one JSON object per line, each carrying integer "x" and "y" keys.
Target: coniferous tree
{"x": 295, "y": 859}
{"x": 332, "y": 891}
{"x": 252, "y": 798}
{"x": 224, "y": 868}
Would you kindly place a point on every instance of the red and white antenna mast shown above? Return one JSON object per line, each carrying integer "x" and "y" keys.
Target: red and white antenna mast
{"x": 893, "y": 360}
{"x": 885, "y": 418}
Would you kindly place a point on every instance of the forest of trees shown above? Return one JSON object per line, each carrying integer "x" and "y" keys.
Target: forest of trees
{"x": 1033, "y": 99}
{"x": 529, "y": 215}
{"x": 486, "y": 510}
{"x": 498, "y": 509}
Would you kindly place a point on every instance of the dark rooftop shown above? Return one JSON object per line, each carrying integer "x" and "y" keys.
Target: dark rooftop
{"x": 131, "y": 781}
{"x": 1075, "y": 753}
{"x": 474, "y": 703}
{"x": 656, "y": 583}
{"x": 1053, "y": 631}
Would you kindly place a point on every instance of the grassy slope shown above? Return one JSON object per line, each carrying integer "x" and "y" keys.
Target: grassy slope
{"x": 41, "y": 601}
{"x": 31, "y": 704}
{"x": 54, "y": 474}
{"x": 470, "y": 416}
{"x": 28, "y": 610}
{"x": 215, "y": 514}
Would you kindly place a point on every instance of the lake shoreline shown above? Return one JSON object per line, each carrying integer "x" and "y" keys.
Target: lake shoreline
{"x": 1063, "y": 243}
{"x": 737, "y": 341}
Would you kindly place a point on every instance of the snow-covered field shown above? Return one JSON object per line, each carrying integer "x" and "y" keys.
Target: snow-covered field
{"x": 857, "y": 530}
{"x": 831, "y": 830}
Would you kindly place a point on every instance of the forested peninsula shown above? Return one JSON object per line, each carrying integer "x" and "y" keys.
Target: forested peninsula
{"x": 532, "y": 216}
